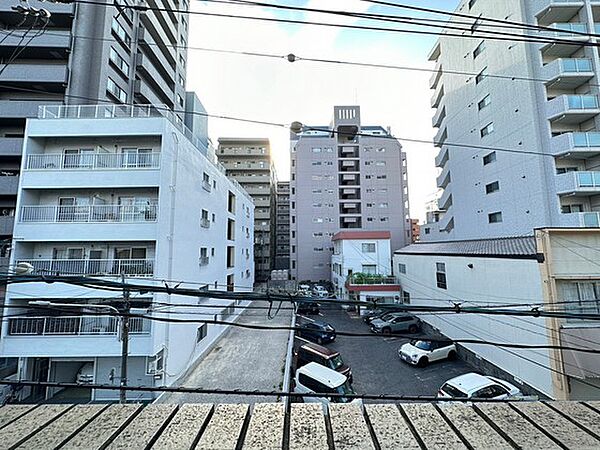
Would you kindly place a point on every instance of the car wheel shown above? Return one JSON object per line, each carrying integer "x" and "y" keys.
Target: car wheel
{"x": 423, "y": 362}
{"x": 451, "y": 355}
{"x": 413, "y": 329}
{"x": 387, "y": 331}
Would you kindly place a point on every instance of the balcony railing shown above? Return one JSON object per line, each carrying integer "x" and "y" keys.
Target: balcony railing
{"x": 74, "y": 325}
{"x": 93, "y": 161}
{"x": 89, "y": 213}
{"x": 582, "y": 101}
{"x": 362, "y": 279}
{"x": 566, "y": 29}
{"x": 588, "y": 179}
{"x": 98, "y": 267}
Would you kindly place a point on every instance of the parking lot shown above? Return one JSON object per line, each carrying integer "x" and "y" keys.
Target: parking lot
{"x": 375, "y": 364}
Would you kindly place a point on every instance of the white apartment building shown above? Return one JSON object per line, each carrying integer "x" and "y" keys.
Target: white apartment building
{"x": 111, "y": 191}
{"x": 351, "y": 178}
{"x": 541, "y": 99}
{"x": 550, "y": 270}
{"x": 361, "y": 267}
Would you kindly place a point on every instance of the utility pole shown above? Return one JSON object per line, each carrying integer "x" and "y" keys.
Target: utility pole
{"x": 124, "y": 341}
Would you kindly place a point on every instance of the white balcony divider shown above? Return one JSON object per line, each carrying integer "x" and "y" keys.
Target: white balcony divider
{"x": 93, "y": 161}
{"x": 89, "y": 213}
{"x": 74, "y": 325}
{"x": 132, "y": 267}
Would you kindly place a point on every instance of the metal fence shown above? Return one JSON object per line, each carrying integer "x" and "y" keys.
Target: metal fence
{"x": 135, "y": 267}
{"x": 74, "y": 325}
{"x": 89, "y": 213}
{"x": 93, "y": 161}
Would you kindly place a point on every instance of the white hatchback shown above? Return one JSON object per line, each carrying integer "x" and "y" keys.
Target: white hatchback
{"x": 473, "y": 385}
{"x": 422, "y": 352}
{"x": 315, "y": 378}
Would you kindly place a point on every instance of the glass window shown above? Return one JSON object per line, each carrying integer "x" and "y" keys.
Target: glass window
{"x": 489, "y": 158}
{"x": 488, "y": 129}
{"x": 402, "y": 268}
{"x": 485, "y": 101}
{"x": 495, "y": 217}
{"x": 368, "y": 248}
{"x": 479, "y": 49}
{"x": 492, "y": 187}
{"x": 120, "y": 32}
{"x": 119, "y": 61}
{"x": 116, "y": 91}
{"x": 440, "y": 275}
{"x": 481, "y": 76}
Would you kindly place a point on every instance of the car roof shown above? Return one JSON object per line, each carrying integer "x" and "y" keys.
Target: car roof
{"x": 323, "y": 374}
{"x": 316, "y": 348}
{"x": 470, "y": 382}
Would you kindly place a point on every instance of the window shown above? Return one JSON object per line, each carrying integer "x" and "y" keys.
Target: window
{"x": 440, "y": 275}
{"x": 495, "y": 217}
{"x": 318, "y": 249}
{"x": 568, "y": 209}
{"x": 368, "y": 247}
{"x": 116, "y": 91}
{"x": 481, "y": 76}
{"x": 316, "y": 150}
{"x": 492, "y": 187}
{"x": 369, "y": 269}
{"x": 485, "y": 101}
{"x": 120, "y": 32}
{"x": 488, "y": 129}
{"x": 381, "y": 177}
{"x": 472, "y": 3}
{"x": 479, "y": 49}
{"x": 489, "y": 158}
{"x": 405, "y": 298}
{"x": 561, "y": 170}
{"x": 401, "y": 268}
{"x": 201, "y": 332}
{"x": 383, "y": 205}
{"x": 119, "y": 61}
{"x": 582, "y": 297}
{"x": 154, "y": 363}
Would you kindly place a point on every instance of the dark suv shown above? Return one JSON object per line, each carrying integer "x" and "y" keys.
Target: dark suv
{"x": 317, "y": 331}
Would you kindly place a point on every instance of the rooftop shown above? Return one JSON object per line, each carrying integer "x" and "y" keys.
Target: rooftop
{"x": 356, "y": 235}
{"x": 265, "y": 425}
{"x": 506, "y": 247}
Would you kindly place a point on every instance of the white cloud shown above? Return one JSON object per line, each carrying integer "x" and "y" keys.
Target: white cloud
{"x": 279, "y": 91}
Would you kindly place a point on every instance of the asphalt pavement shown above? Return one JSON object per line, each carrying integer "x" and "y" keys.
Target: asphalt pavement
{"x": 375, "y": 364}
{"x": 242, "y": 359}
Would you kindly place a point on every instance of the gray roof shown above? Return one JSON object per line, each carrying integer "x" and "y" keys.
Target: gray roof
{"x": 506, "y": 247}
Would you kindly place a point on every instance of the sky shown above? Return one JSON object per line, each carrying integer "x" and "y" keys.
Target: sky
{"x": 276, "y": 90}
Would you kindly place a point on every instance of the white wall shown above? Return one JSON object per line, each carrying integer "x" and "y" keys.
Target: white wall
{"x": 491, "y": 281}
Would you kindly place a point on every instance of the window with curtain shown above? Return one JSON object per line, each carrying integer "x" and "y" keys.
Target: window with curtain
{"x": 582, "y": 297}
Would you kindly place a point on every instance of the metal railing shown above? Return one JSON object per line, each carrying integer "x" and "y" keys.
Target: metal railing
{"x": 89, "y": 213}
{"x": 93, "y": 161}
{"x": 74, "y": 325}
{"x": 132, "y": 267}
{"x": 368, "y": 279}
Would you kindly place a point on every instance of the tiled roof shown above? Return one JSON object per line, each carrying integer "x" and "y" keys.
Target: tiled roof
{"x": 518, "y": 247}
{"x": 347, "y": 235}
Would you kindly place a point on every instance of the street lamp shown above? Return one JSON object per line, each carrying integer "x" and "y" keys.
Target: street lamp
{"x": 123, "y": 318}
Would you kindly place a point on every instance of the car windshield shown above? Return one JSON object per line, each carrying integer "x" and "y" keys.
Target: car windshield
{"x": 387, "y": 317}
{"x": 346, "y": 390}
{"x": 422, "y": 345}
{"x": 336, "y": 361}
{"x": 453, "y": 391}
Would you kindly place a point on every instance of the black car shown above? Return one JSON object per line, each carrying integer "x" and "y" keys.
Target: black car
{"x": 307, "y": 307}
{"x": 317, "y": 331}
{"x": 371, "y": 314}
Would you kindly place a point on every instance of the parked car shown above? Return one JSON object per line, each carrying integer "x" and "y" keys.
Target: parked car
{"x": 332, "y": 359}
{"x": 473, "y": 385}
{"x": 420, "y": 352}
{"x": 371, "y": 314}
{"x": 307, "y": 307}
{"x": 317, "y": 331}
{"x": 304, "y": 287}
{"x": 86, "y": 374}
{"x": 395, "y": 323}
{"x": 315, "y": 378}
{"x": 320, "y": 291}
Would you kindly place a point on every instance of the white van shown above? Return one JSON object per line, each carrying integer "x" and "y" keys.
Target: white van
{"x": 315, "y": 378}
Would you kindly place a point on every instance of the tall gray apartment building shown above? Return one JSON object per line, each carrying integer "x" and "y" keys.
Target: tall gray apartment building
{"x": 345, "y": 176}
{"x": 282, "y": 226}
{"x": 541, "y": 99}
{"x": 248, "y": 161}
{"x": 88, "y": 54}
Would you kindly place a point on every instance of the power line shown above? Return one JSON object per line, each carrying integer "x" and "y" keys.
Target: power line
{"x": 240, "y": 392}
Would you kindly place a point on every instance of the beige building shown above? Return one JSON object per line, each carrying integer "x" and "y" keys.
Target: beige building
{"x": 248, "y": 161}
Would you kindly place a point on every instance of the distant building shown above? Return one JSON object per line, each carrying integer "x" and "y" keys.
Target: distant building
{"x": 248, "y": 161}
{"x": 349, "y": 179}
{"x": 282, "y": 222}
{"x": 120, "y": 195}
{"x": 415, "y": 230}
{"x": 551, "y": 270}
{"x": 361, "y": 267}
{"x": 554, "y": 120}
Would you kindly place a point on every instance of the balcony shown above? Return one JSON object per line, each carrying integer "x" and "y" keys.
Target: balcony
{"x": 75, "y": 326}
{"x": 552, "y": 11}
{"x": 572, "y": 109}
{"x": 437, "y": 96}
{"x": 582, "y": 219}
{"x": 7, "y": 224}
{"x": 89, "y": 213}
{"x": 350, "y": 208}
{"x": 349, "y": 151}
{"x": 349, "y": 166}
{"x": 438, "y": 117}
{"x": 440, "y": 137}
{"x": 349, "y": 180}
{"x": 568, "y": 73}
{"x": 442, "y": 157}
{"x": 372, "y": 282}
{"x": 349, "y": 194}
{"x": 93, "y": 267}
{"x": 578, "y": 364}
{"x": 445, "y": 201}
{"x": 437, "y": 75}
{"x": 93, "y": 161}
{"x": 53, "y": 40}
{"x": 578, "y": 183}
{"x": 43, "y": 74}
{"x": 11, "y": 146}
{"x": 576, "y": 145}
{"x": 564, "y": 31}
{"x": 443, "y": 178}
{"x": 9, "y": 185}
